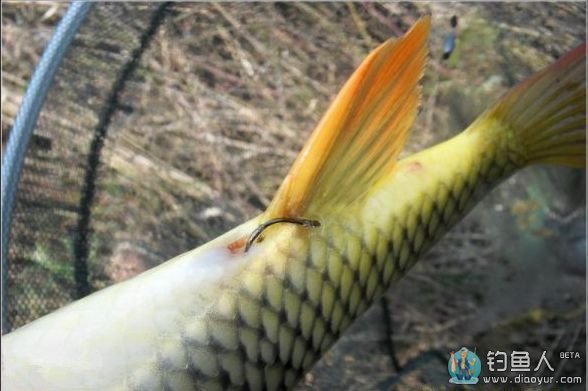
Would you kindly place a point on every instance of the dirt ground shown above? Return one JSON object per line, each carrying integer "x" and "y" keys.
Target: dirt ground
{"x": 225, "y": 97}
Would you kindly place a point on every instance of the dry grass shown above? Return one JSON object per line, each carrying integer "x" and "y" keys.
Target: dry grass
{"x": 226, "y": 96}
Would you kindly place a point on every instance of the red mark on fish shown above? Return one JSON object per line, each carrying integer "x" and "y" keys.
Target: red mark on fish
{"x": 414, "y": 166}
{"x": 235, "y": 246}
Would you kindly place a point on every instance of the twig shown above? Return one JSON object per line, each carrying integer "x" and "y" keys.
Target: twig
{"x": 360, "y": 25}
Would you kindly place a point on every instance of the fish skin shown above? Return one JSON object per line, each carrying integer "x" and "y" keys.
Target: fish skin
{"x": 275, "y": 318}
{"x": 218, "y": 318}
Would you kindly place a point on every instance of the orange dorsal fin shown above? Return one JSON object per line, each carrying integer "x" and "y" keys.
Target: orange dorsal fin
{"x": 358, "y": 140}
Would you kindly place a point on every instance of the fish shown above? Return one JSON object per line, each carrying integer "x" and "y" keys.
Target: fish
{"x": 256, "y": 307}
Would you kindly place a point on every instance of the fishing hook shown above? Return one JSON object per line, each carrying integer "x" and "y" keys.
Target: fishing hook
{"x": 255, "y": 234}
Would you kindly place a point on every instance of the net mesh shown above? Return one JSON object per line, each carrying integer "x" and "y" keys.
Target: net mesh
{"x": 57, "y": 186}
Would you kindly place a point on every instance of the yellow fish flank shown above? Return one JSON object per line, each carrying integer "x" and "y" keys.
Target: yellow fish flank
{"x": 226, "y": 317}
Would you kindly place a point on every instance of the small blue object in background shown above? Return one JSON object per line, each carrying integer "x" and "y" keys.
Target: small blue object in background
{"x": 449, "y": 43}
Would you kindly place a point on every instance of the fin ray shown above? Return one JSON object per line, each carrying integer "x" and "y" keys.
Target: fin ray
{"x": 356, "y": 143}
{"x": 547, "y": 112}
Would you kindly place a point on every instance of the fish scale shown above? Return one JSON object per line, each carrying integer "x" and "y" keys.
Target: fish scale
{"x": 259, "y": 333}
{"x": 279, "y": 317}
{"x": 256, "y": 312}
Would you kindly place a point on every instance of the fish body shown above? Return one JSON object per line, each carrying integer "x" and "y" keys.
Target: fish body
{"x": 219, "y": 317}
